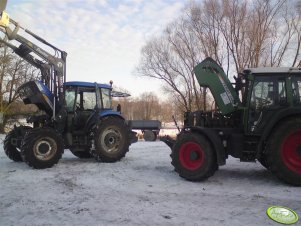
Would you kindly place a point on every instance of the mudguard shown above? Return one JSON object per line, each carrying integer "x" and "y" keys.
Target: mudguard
{"x": 278, "y": 118}
{"x": 109, "y": 112}
{"x": 215, "y": 141}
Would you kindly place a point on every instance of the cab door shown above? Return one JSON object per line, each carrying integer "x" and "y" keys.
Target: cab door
{"x": 267, "y": 97}
{"x": 86, "y": 107}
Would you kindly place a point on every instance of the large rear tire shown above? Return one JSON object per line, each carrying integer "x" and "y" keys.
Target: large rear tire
{"x": 42, "y": 148}
{"x": 111, "y": 139}
{"x": 13, "y": 151}
{"x": 193, "y": 157}
{"x": 284, "y": 152}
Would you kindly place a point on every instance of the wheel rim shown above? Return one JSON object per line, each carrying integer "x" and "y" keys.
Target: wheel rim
{"x": 110, "y": 140}
{"x": 291, "y": 151}
{"x": 45, "y": 148}
{"x": 191, "y": 155}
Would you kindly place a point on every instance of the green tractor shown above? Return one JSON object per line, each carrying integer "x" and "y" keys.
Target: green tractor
{"x": 264, "y": 126}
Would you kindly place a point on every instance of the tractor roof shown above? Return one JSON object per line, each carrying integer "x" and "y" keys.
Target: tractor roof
{"x": 87, "y": 84}
{"x": 272, "y": 70}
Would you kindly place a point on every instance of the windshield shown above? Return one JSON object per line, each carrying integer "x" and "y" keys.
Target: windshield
{"x": 89, "y": 100}
{"x": 106, "y": 98}
{"x": 69, "y": 98}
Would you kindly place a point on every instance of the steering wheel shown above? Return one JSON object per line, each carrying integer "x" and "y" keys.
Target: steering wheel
{"x": 77, "y": 107}
{"x": 263, "y": 101}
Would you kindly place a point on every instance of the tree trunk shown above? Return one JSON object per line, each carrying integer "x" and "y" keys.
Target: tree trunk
{"x": 3, "y": 121}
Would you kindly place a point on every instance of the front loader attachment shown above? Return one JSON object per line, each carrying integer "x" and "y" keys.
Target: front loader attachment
{"x": 51, "y": 64}
{"x": 210, "y": 74}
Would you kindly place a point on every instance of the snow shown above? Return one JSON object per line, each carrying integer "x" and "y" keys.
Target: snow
{"x": 141, "y": 189}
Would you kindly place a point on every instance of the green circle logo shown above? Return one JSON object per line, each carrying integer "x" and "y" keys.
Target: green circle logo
{"x": 282, "y": 215}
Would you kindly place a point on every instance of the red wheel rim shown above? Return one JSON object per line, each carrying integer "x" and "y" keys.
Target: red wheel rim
{"x": 291, "y": 151}
{"x": 191, "y": 155}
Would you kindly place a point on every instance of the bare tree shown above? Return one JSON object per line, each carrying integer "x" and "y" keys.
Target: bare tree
{"x": 147, "y": 107}
{"x": 259, "y": 34}
{"x": 236, "y": 33}
{"x": 171, "y": 58}
{"x": 14, "y": 71}
{"x": 296, "y": 23}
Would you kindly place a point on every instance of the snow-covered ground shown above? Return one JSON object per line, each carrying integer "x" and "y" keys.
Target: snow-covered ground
{"x": 142, "y": 189}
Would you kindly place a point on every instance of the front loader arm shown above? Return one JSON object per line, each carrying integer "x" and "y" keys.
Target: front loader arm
{"x": 52, "y": 67}
{"x": 44, "y": 67}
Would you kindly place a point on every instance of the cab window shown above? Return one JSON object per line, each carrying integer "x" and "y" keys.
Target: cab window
{"x": 86, "y": 98}
{"x": 69, "y": 98}
{"x": 268, "y": 94}
{"x": 268, "y": 91}
{"x": 106, "y": 98}
{"x": 262, "y": 94}
{"x": 89, "y": 100}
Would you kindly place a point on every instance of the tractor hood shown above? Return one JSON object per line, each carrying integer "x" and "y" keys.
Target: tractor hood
{"x": 35, "y": 92}
{"x": 210, "y": 74}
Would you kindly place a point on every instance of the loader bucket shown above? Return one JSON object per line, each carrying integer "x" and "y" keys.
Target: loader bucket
{"x": 210, "y": 74}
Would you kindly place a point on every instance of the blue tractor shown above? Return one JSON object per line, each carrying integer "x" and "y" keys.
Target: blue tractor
{"x": 74, "y": 115}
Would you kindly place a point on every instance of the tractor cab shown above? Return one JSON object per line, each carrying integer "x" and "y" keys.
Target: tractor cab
{"x": 85, "y": 103}
{"x": 272, "y": 94}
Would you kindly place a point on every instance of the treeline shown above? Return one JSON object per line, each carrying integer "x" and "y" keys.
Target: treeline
{"x": 146, "y": 107}
{"x": 237, "y": 34}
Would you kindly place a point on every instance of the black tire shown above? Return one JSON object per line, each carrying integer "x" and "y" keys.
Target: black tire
{"x": 85, "y": 154}
{"x": 13, "y": 152}
{"x": 193, "y": 157}
{"x": 149, "y": 135}
{"x": 111, "y": 139}
{"x": 284, "y": 152}
{"x": 42, "y": 148}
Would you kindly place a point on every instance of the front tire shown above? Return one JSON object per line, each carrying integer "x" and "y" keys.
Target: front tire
{"x": 284, "y": 152}
{"x": 42, "y": 148}
{"x": 193, "y": 157}
{"x": 13, "y": 151}
{"x": 111, "y": 139}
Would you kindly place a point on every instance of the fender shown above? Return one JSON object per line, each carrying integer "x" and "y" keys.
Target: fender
{"x": 276, "y": 120}
{"x": 107, "y": 113}
{"x": 215, "y": 141}
{"x": 94, "y": 119}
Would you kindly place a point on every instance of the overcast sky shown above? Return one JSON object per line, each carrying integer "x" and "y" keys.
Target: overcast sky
{"x": 103, "y": 38}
